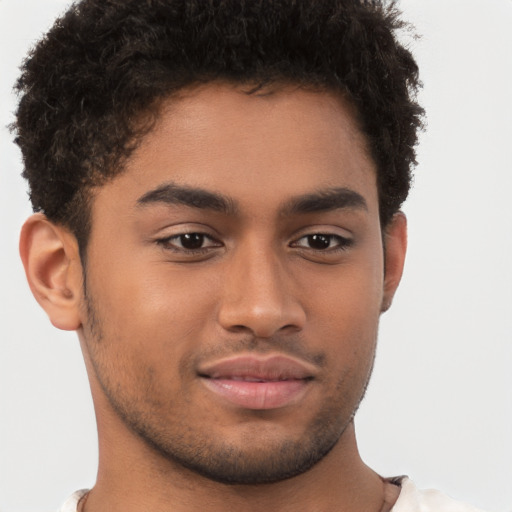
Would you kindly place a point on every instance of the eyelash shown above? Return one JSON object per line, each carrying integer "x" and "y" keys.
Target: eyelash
{"x": 166, "y": 243}
{"x": 343, "y": 243}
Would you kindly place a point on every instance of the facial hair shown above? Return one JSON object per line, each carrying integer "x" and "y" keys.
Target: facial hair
{"x": 195, "y": 447}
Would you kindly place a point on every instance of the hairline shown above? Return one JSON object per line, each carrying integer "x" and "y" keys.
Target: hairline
{"x": 148, "y": 119}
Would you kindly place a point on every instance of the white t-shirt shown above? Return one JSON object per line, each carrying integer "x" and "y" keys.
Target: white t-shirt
{"x": 411, "y": 499}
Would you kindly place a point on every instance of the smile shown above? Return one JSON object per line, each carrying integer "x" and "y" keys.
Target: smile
{"x": 259, "y": 384}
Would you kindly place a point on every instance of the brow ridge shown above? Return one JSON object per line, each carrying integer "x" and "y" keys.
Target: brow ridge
{"x": 320, "y": 201}
{"x": 172, "y": 193}
{"x": 326, "y": 200}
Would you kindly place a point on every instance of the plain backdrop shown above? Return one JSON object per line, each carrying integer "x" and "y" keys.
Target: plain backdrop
{"x": 439, "y": 407}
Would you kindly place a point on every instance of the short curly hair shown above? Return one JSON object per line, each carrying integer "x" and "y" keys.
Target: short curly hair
{"x": 90, "y": 89}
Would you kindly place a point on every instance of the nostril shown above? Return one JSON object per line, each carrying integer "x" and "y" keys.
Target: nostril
{"x": 239, "y": 328}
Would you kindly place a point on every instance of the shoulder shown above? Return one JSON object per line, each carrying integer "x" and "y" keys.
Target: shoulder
{"x": 72, "y": 502}
{"x": 412, "y": 499}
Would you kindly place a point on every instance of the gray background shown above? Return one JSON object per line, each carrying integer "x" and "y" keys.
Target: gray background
{"x": 439, "y": 407}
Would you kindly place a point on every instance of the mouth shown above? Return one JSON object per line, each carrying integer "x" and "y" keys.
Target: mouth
{"x": 256, "y": 383}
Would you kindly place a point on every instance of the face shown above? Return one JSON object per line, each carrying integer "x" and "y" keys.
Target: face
{"x": 235, "y": 280}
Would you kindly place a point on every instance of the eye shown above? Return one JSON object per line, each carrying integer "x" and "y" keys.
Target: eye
{"x": 189, "y": 242}
{"x": 323, "y": 242}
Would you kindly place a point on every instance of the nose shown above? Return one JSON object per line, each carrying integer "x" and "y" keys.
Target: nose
{"x": 260, "y": 296}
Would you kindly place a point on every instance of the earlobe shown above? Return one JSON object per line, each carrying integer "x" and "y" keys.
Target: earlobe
{"x": 52, "y": 265}
{"x": 395, "y": 248}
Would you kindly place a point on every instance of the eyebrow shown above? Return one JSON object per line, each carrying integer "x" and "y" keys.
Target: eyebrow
{"x": 170, "y": 193}
{"x": 326, "y": 200}
{"x": 321, "y": 201}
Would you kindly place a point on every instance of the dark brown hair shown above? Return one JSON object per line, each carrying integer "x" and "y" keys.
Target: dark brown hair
{"x": 89, "y": 88}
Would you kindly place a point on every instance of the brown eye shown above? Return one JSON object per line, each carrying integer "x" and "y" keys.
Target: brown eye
{"x": 319, "y": 242}
{"x": 323, "y": 242}
{"x": 191, "y": 241}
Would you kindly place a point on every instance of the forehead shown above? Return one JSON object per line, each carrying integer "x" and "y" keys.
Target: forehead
{"x": 270, "y": 145}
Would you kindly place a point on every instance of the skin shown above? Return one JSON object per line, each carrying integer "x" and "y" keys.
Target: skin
{"x": 152, "y": 315}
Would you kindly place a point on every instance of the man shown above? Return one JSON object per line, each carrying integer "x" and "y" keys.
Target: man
{"x": 218, "y": 189}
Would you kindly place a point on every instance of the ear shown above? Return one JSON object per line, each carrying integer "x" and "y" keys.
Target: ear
{"x": 52, "y": 265}
{"x": 395, "y": 247}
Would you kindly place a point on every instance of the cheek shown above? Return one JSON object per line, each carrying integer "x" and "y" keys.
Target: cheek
{"x": 153, "y": 318}
{"x": 349, "y": 295}
{"x": 151, "y": 298}
{"x": 344, "y": 308}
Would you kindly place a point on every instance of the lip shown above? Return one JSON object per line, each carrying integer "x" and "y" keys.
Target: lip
{"x": 258, "y": 383}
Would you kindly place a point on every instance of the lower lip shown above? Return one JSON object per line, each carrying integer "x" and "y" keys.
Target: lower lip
{"x": 258, "y": 395}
